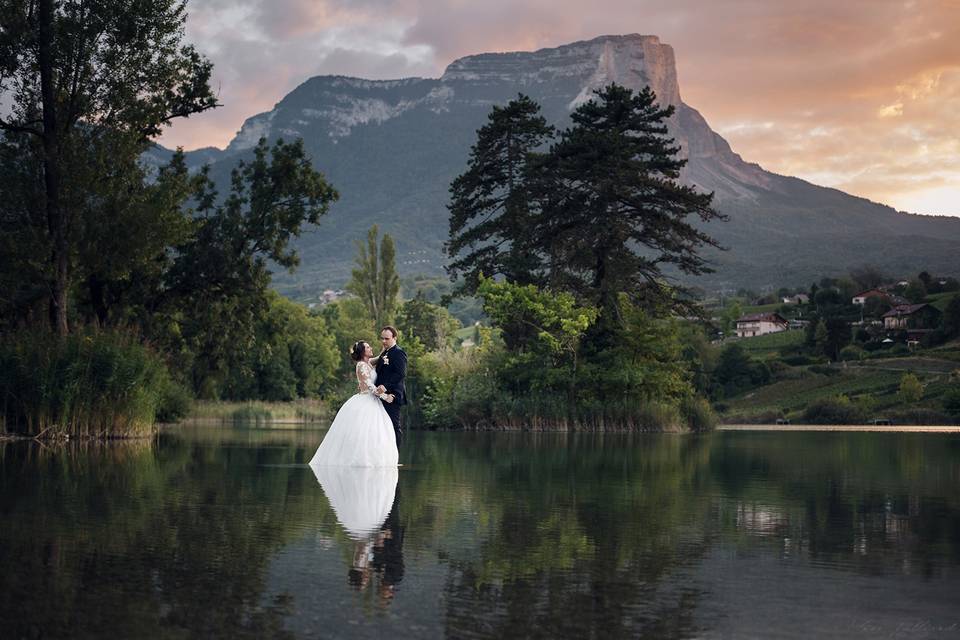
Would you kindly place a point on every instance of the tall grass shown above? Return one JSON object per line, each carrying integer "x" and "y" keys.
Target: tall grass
{"x": 262, "y": 412}
{"x": 89, "y": 384}
{"x": 556, "y": 415}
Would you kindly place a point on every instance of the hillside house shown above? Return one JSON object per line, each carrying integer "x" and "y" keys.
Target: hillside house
{"x": 862, "y": 297}
{"x": 911, "y": 316}
{"x": 800, "y": 298}
{"x": 758, "y": 324}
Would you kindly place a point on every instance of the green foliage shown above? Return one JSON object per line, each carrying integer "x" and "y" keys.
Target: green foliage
{"x": 736, "y": 372}
{"x": 951, "y": 401}
{"x": 614, "y": 210}
{"x": 728, "y": 319}
{"x": 78, "y": 77}
{"x": 911, "y": 389}
{"x": 293, "y": 355}
{"x": 85, "y": 384}
{"x": 552, "y": 324}
{"x": 375, "y": 279}
{"x": 216, "y": 290}
{"x": 492, "y": 209}
{"x": 916, "y": 291}
{"x": 838, "y": 410}
{"x": 951, "y": 317}
{"x": 433, "y": 325}
{"x": 698, "y": 413}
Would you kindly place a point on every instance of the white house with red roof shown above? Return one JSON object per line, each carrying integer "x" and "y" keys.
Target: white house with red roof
{"x": 758, "y": 324}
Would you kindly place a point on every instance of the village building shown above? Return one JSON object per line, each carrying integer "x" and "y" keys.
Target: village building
{"x": 758, "y": 324}
{"x": 862, "y": 297}
{"x": 800, "y": 298}
{"x": 912, "y": 317}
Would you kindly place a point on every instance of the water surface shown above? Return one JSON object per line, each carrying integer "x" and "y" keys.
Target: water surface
{"x": 222, "y": 532}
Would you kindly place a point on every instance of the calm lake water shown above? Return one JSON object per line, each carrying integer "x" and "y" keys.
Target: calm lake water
{"x": 223, "y": 532}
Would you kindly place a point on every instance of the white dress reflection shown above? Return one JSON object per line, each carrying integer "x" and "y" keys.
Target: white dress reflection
{"x": 366, "y": 504}
{"x": 361, "y": 497}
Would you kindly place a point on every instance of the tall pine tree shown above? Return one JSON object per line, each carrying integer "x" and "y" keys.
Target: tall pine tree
{"x": 492, "y": 230}
{"x": 614, "y": 212}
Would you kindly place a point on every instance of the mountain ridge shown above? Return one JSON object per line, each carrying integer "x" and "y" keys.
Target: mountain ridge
{"x": 391, "y": 147}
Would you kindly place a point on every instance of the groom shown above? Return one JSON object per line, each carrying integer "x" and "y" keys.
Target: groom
{"x": 391, "y": 371}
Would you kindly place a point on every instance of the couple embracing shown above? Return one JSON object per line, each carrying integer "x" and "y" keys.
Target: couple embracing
{"x": 366, "y": 431}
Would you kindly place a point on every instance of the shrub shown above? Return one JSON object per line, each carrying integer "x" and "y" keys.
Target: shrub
{"x": 851, "y": 352}
{"x": 175, "y": 401}
{"x": 837, "y": 410}
{"x": 911, "y": 390}
{"x": 698, "y": 414}
{"x": 951, "y": 402}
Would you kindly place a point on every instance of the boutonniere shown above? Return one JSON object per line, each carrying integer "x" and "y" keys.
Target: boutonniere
{"x": 385, "y": 359}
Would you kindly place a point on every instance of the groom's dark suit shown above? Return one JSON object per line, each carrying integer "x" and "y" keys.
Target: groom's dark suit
{"x": 391, "y": 372}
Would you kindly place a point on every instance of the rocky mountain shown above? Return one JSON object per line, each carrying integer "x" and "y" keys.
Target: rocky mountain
{"x": 392, "y": 147}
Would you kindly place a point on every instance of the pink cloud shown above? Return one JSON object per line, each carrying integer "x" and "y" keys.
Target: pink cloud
{"x": 800, "y": 65}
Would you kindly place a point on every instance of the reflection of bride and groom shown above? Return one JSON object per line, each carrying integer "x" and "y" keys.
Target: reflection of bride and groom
{"x": 356, "y": 465}
{"x": 367, "y": 506}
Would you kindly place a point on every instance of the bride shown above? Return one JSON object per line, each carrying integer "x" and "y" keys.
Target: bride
{"x": 361, "y": 434}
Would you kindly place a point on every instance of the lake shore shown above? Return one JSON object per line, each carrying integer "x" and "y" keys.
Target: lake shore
{"x": 842, "y": 427}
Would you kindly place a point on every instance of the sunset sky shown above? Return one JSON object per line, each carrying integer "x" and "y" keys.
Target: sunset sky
{"x": 862, "y": 95}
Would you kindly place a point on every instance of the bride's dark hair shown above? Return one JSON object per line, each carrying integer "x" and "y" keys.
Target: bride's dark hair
{"x": 356, "y": 353}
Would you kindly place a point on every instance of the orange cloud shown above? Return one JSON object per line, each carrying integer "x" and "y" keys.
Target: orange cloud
{"x": 860, "y": 94}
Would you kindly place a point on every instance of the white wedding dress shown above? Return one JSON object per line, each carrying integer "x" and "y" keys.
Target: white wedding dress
{"x": 361, "y": 434}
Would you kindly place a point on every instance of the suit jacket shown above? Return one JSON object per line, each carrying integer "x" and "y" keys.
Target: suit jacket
{"x": 392, "y": 375}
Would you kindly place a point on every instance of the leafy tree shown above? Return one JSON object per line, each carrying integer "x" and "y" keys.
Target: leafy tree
{"x": 549, "y": 361}
{"x": 294, "y": 355}
{"x": 867, "y": 277}
{"x": 375, "y": 280}
{"x": 216, "y": 288}
{"x": 911, "y": 389}
{"x": 951, "y": 401}
{"x": 492, "y": 215}
{"x": 614, "y": 212}
{"x": 71, "y": 68}
{"x": 728, "y": 320}
{"x": 951, "y": 317}
{"x": 349, "y": 320}
{"x": 837, "y": 334}
{"x": 736, "y": 371}
{"x": 915, "y": 292}
{"x": 432, "y": 324}
{"x": 700, "y": 357}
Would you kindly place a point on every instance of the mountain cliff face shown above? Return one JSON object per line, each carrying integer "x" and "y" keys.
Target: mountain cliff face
{"x": 392, "y": 147}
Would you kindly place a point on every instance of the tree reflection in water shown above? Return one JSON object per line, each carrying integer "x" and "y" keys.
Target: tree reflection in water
{"x": 225, "y": 533}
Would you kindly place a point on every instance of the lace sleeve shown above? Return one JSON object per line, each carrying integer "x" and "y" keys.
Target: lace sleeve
{"x": 363, "y": 377}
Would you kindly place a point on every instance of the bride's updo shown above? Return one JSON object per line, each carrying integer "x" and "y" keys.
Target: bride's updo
{"x": 357, "y": 351}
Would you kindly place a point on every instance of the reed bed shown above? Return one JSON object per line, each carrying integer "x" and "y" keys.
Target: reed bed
{"x": 92, "y": 384}
{"x": 298, "y": 411}
{"x": 619, "y": 415}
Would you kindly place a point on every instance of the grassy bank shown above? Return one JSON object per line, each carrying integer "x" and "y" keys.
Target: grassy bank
{"x": 300, "y": 411}
{"x": 863, "y": 391}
